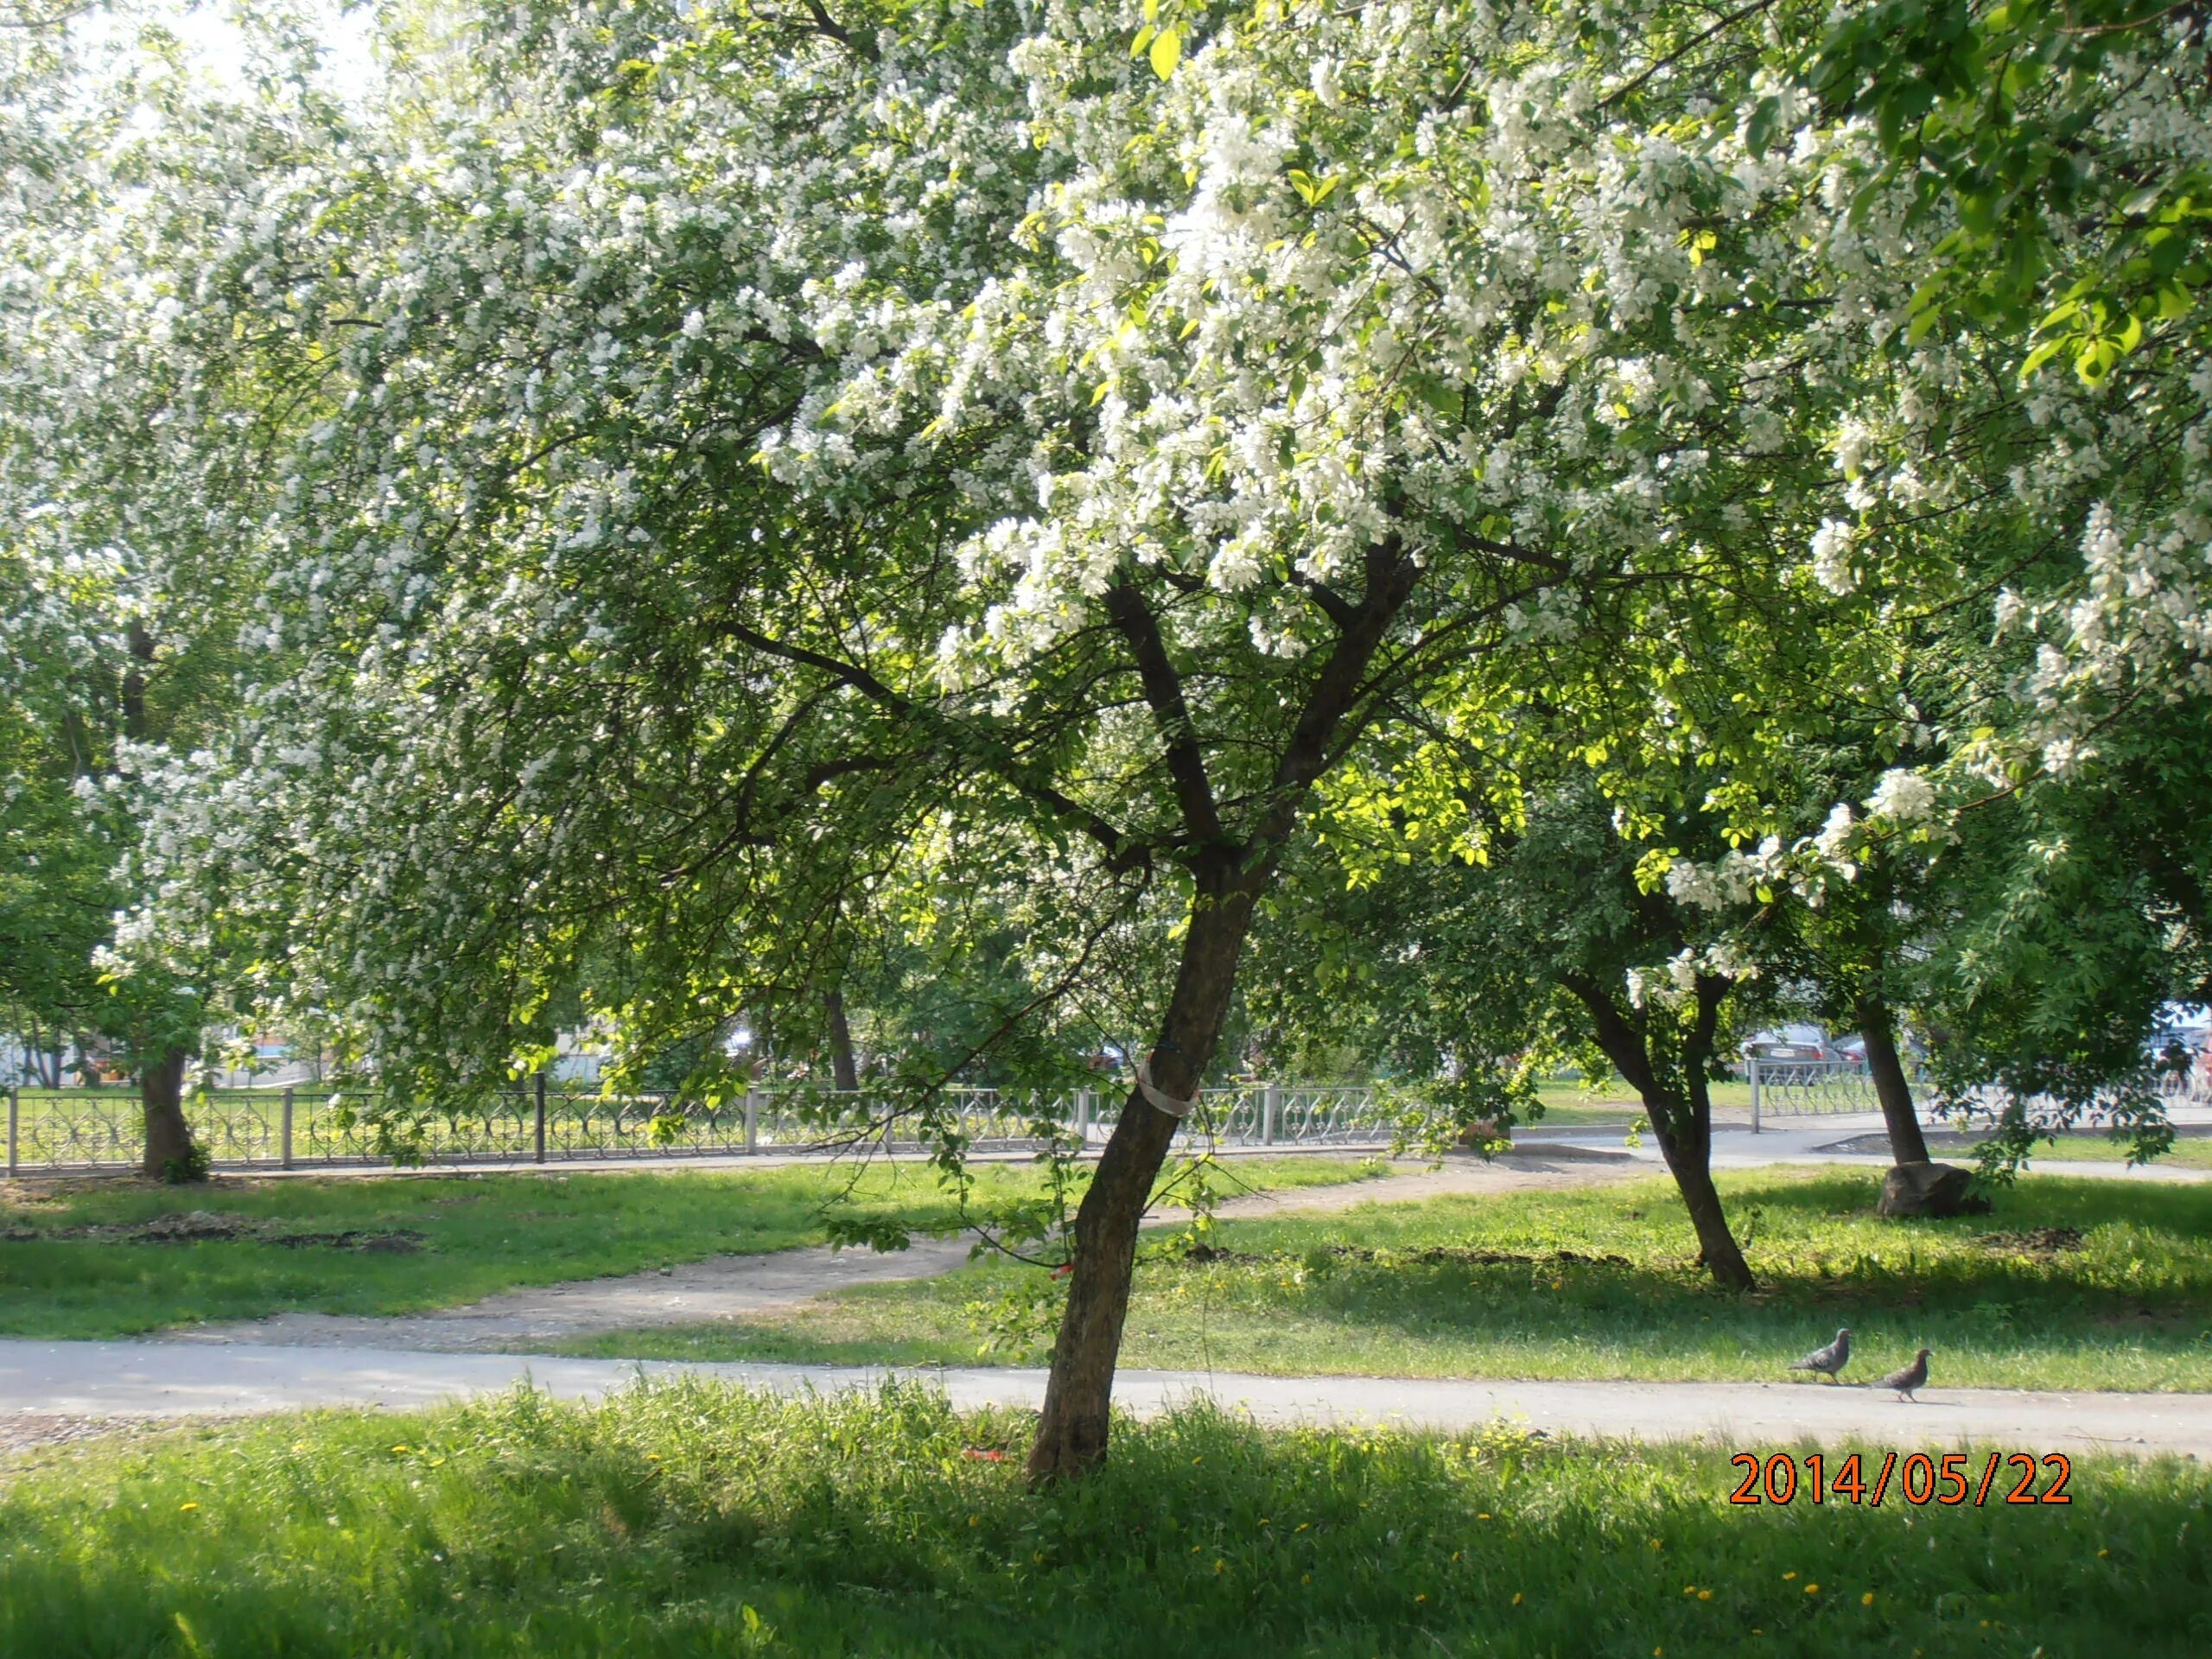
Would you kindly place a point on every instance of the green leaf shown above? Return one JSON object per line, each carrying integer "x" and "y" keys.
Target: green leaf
{"x": 1166, "y": 51}
{"x": 1759, "y": 131}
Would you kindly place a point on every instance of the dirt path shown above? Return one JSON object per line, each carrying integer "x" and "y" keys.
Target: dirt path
{"x": 731, "y": 1287}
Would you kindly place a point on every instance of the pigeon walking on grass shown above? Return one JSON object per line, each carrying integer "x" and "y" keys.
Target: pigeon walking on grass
{"x": 1910, "y": 1379}
{"x": 1830, "y": 1360}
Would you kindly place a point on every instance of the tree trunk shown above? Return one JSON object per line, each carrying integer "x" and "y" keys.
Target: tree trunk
{"x": 1682, "y": 1120}
{"x": 1691, "y": 1165}
{"x": 169, "y": 1140}
{"x": 1907, "y": 1144}
{"x": 845, "y": 1071}
{"x": 1078, "y": 1397}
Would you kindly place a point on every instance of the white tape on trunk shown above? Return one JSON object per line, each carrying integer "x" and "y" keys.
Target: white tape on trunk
{"x": 1160, "y": 1097}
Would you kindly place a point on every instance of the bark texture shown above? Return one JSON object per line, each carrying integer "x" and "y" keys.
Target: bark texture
{"x": 844, "y": 1065}
{"x": 1907, "y": 1144}
{"x": 169, "y": 1138}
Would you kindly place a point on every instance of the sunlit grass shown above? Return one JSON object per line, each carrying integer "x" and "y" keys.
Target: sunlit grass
{"x": 692, "y": 1520}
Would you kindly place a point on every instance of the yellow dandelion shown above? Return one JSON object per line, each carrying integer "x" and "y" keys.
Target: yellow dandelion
{"x": 1812, "y": 1589}
{"x": 403, "y": 1448}
{"x": 1308, "y": 1578}
{"x": 1705, "y": 1595}
{"x": 187, "y": 1507}
{"x": 653, "y": 1457}
{"x": 1482, "y": 1515}
{"x": 975, "y": 1520}
{"x": 1303, "y": 1525}
{"x": 437, "y": 1463}
{"x": 1217, "y": 1566}
{"x": 1265, "y": 1522}
{"x": 1422, "y": 1598}
{"x": 2102, "y": 1554}
{"x": 1455, "y": 1555}
{"x": 1866, "y": 1600}
{"x": 1787, "y": 1576}
{"x": 1689, "y": 1589}
{"x": 1516, "y": 1598}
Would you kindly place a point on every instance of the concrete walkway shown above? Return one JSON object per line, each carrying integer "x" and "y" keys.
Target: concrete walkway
{"x": 141, "y": 1380}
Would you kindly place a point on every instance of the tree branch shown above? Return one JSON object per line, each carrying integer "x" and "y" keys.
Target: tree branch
{"x": 1163, "y": 691}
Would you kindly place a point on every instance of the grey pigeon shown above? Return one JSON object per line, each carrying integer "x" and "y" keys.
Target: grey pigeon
{"x": 1913, "y": 1377}
{"x": 1830, "y": 1360}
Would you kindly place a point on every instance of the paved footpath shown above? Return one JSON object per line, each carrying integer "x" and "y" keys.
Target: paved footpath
{"x": 142, "y": 1380}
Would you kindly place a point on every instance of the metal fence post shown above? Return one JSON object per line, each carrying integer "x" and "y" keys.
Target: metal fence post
{"x": 287, "y": 1142}
{"x": 753, "y": 1120}
{"x": 1082, "y": 1116}
{"x": 541, "y": 1117}
{"x": 14, "y": 1103}
{"x": 1270, "y": 1112}
{"x": 1751, "y": 1064}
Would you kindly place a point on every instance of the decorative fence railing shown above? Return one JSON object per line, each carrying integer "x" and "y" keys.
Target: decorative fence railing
{"x": 305, "y": 1127}
{"x": 1811, "y": 1088}
{"x": 1806, "y": 1088}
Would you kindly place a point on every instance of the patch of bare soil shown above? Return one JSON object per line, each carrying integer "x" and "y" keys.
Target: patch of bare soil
{"x": 208, "y": 1226}
{"x": 2040, "y": 1241}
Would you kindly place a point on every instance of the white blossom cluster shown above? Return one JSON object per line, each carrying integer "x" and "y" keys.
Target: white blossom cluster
{"x": 528, "y": 407}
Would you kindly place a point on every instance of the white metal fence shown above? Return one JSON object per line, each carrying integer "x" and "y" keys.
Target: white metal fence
{"x": 1815, "y": 1088}
{"x": 302, "y": 1126}
{"x": 1807, "y": 1088}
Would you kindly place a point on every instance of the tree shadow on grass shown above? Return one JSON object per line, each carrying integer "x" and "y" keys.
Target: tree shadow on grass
{"x": 2067, "y": 1283}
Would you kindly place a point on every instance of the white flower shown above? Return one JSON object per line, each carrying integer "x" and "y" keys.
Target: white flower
{"x": 1903, "y": 797}
{"x": 1834, "y": 839}
{"x": 1832, "y": 544}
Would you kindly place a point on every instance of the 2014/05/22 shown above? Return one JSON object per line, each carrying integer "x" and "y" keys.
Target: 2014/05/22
{"x": 1947, "y": 1480}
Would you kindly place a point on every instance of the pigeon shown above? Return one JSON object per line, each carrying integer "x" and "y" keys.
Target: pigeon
{"x": 1912, "y": 1378}
{"x": 1830, "y": 1360}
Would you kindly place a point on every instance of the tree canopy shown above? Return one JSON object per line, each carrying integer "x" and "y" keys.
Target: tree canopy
{"x": 677, "y": 496}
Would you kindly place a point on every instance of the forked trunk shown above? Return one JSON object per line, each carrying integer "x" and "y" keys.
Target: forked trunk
{"x": 1078, "y": 1397}
{"x": 1908, "y": 1144}
{"x": 1680, "y": 1118}
{"x": 168, "y": 1139}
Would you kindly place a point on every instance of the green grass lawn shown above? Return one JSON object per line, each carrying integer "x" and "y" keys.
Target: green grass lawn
{"x": 692, "y": 1520}
{"x": 1600, "y": 1282}
{"x": 448, "y": 1238}
{"x": 2190, "y": 1152}
{"x": 1567, "y": 1101}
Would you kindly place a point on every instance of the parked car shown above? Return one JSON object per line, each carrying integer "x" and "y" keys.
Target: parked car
{"x": 1804, "y": 1044}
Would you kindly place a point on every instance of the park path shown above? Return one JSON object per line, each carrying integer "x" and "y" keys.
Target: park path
{"x": 733, "y": 1287}
{"x": 77, "y": 1382}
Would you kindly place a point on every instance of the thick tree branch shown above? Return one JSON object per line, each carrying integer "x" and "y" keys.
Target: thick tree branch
{"x": 1163, "y": 691}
